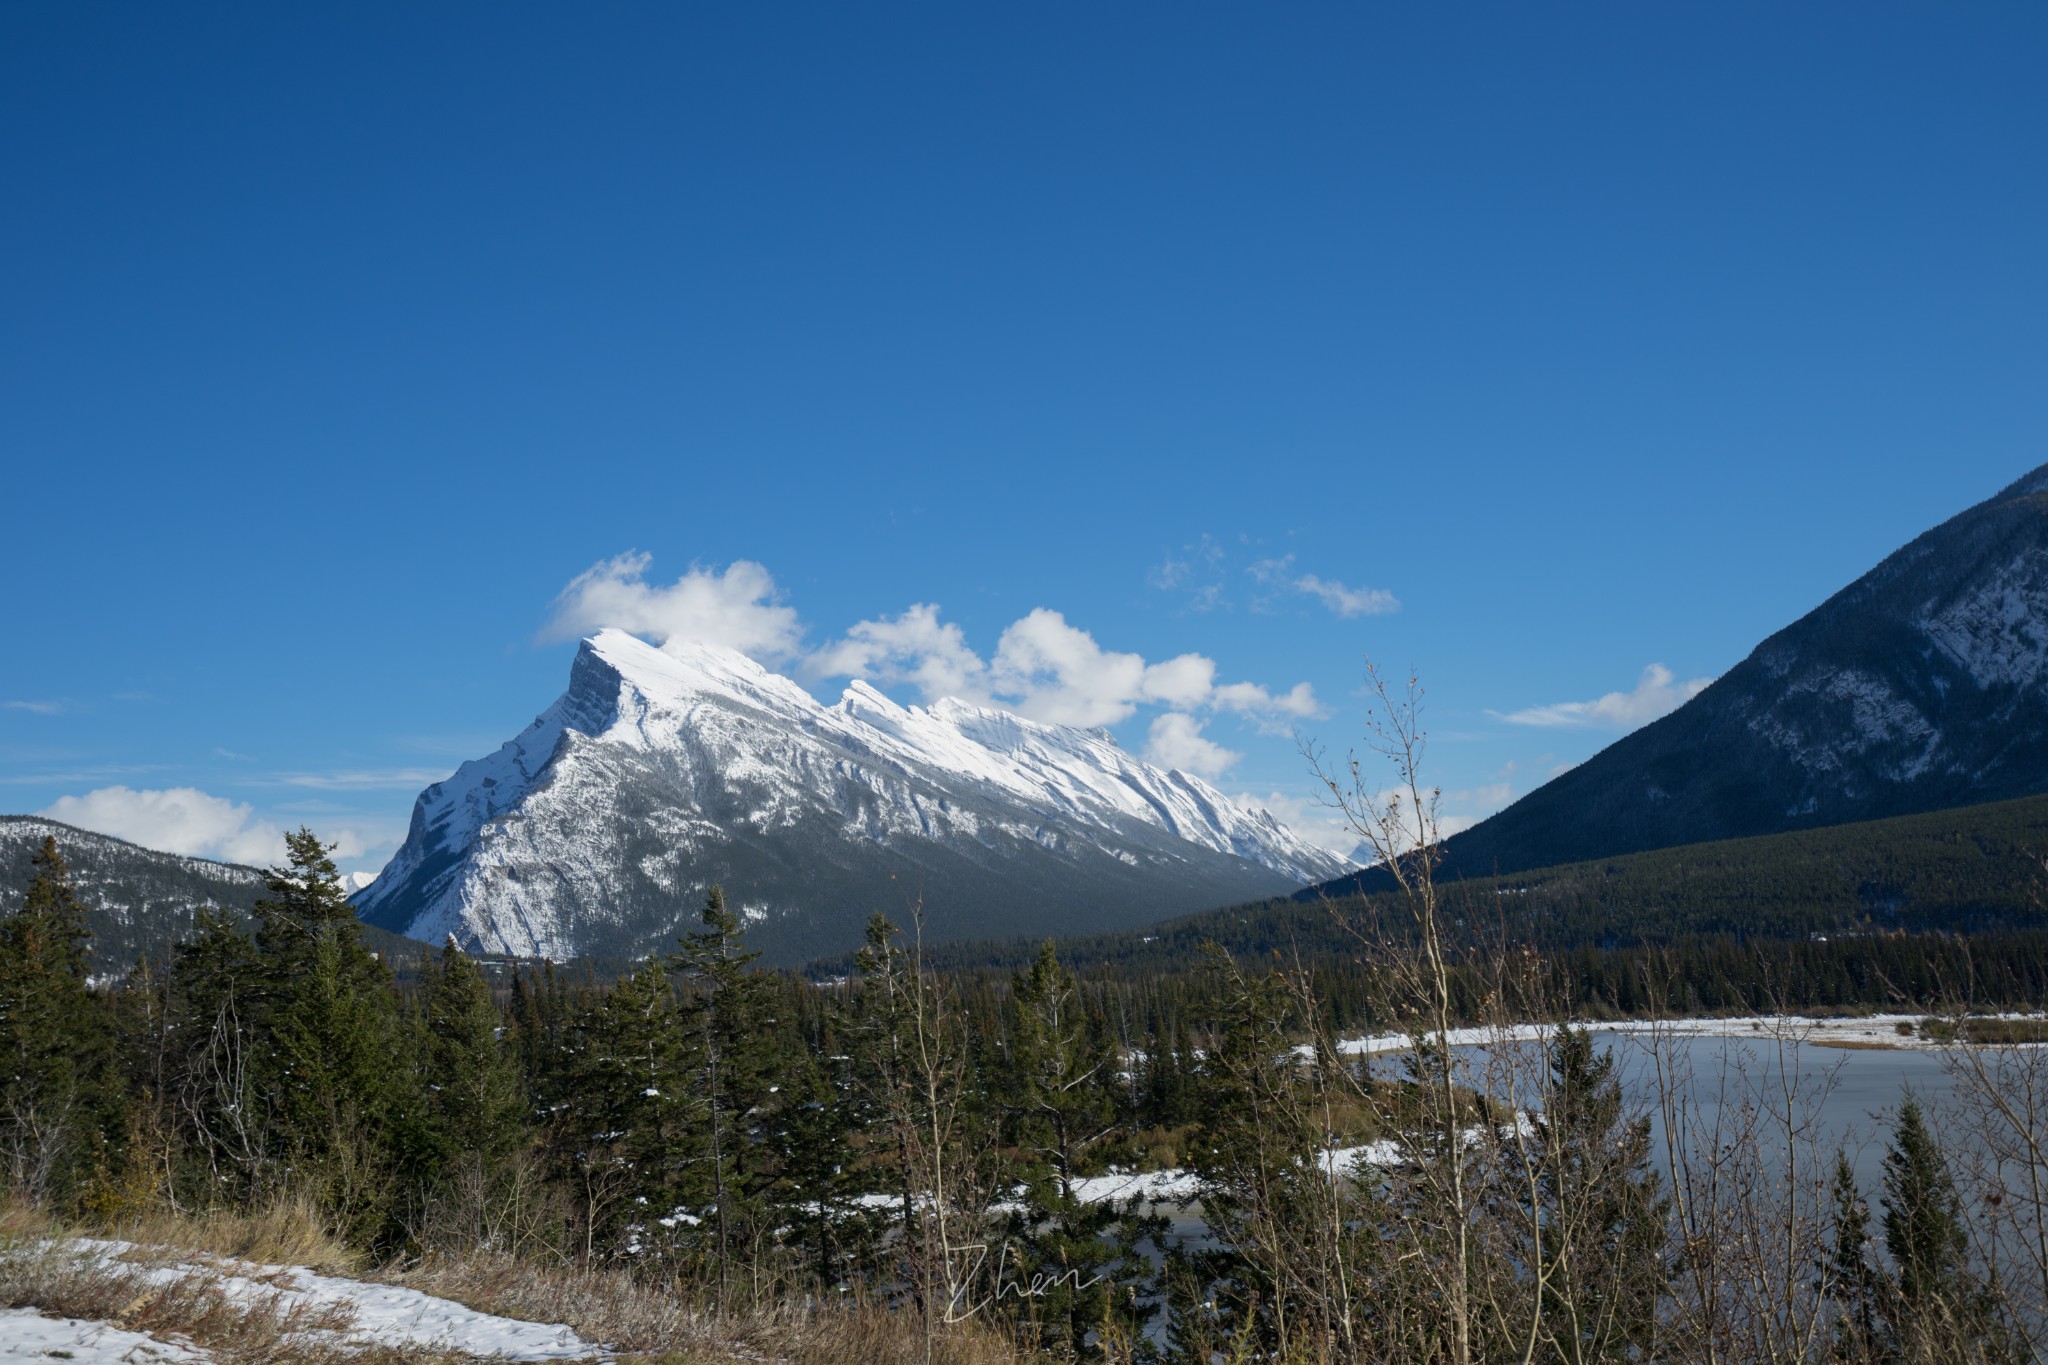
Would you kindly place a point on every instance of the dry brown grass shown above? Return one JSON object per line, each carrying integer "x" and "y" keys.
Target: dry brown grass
{"x": 40, "y": 1269}
{"x": 870, "y": 1336}
{"x": 668, "y": 1324}
{"x": 610, "y": 1306}
{"x": 652, "y": 1323}
{"x": 189, "y": 1308}
{"x": 287, "y": 1232}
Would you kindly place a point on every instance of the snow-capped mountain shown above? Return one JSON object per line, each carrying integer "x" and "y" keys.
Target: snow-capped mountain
{"x": 141, "y": 900}
{"x": 1921, "y": 686}
{"x": 662, "y": 771}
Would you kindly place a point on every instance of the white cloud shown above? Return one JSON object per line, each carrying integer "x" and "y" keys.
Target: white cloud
{"x": 1176, "y": 741}
{"x": 1253, "y": 700}
{"x": 1169, "y": 574}
{"x": 1656, "y": 693}
{"x": 1348, "y": 602}
{"x": 1044, "y": 668}
{"x": 1316, "y": 821}
{"x": 1058, "y": 673}
{"x": 737, "y": 607}
{"x": 1199, "y": 571}
{"x": 176, "y": 820}
{"x": 915, "y": 648}
{"x": 1340, "y": 598}
{"x": 40, "y": 708}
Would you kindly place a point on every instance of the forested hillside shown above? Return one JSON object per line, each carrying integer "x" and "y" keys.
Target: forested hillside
{"x": 139, "y": 901}
{"x": 1973, "y": 869}
{"x": 1920, "y": 686}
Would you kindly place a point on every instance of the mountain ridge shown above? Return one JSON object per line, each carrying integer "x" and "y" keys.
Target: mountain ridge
{"x": 140, "y": 900}
{"x": 1921, "y": 685}
{"x": 660, "y": 771}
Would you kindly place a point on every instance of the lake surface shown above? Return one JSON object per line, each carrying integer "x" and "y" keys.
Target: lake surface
{"x": 1851, "y": 1096}
{"x": 1858, "y": 1090}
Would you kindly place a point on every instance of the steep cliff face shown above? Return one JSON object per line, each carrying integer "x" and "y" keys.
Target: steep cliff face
{"x": 662, "y": 771}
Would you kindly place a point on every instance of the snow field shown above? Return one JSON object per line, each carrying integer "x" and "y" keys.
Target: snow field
{"x": 378, "y": 1314}
{"x": 27, "y": 1335}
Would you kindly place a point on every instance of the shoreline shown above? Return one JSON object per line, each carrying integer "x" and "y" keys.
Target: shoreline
{"x": 1870, "y": 1032}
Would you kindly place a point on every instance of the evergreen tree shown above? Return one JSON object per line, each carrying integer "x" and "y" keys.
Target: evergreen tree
{"x": 733, "y": 1019}
{"x": 332, "y": 1049}
{"x": 637, "y": 1119}
{"x": 1923, "y": 1219}
{"x": 215, "y": 997}
{"x": 1856, "y": 1285}
{"x": 920, "y": 1101}
{"x": 473, "y": 1093}
{"x": 1257, "y": 1154}
{"x": 1060, "y": 1107}
{"x": 821, "y": 1175}
{"x": 1600, "y": 1213}
{"x": 1943, "y": 1312}
{"x": 57, "y": 1102}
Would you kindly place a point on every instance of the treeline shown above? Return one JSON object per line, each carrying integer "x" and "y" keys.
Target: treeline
{"x": 945, "y": 1141}
{"x": 1972, "y": 870}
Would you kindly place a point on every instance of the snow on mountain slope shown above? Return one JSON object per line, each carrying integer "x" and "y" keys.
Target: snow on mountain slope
{"x": 660, "y": 771}
{"x": 141, "y": 899}
{"x": 1921, "y": 686}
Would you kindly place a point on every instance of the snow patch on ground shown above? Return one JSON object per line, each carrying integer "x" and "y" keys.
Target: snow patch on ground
{"x": 27, "y": 1335}
{"x": 383, "y": 1314}
{"x": 1865, "y": 1030}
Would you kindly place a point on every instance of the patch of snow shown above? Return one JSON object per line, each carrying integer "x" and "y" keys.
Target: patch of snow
{"x": 1998, "y": 631}
{"x": 1866, "y": 1030}
{"x": 1154, "y": 1187}
{"x": 27, "y": 1335}
{"x": 383, "y": 1314}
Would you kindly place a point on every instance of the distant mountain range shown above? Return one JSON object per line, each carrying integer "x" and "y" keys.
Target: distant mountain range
{"x": 142, "y": 900}
{"x": 1921, "y": 686}
{"x": 661, "y": 771}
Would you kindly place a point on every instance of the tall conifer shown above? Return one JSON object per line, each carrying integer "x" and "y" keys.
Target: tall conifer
{"x": 732, "y": 1019}
{"x": 55, "y": 1042}
{"x": 333, "y": 1047}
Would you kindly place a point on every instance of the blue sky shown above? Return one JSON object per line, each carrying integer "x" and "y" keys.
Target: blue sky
{"x": 334, "y": 346}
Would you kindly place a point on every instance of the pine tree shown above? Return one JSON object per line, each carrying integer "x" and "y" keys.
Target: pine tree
{"x": 636, "y": 1119}
{"x": 474, "y": 1103}
{"x": 1923, "y": 1220}
{"x": 332, "y": 1046}
{"x": 919, "y": 1100}
{"x": 1600, "y": 1212}
{"x": 1256, "y": 1153}
{"x": 1941, "y": 1307}
{"x": 56, "y": 1100}
{"x": 819, "y": 1174}
{"x": 1059, "y": 1068}
{"x": 732, "y": 1019}
{"x": 1856, "y": 1285}
{"x": 215, "y": 999}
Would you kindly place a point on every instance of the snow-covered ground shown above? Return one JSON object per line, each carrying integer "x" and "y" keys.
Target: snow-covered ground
{"x": 378, "y": 1314}
{"x": 1865, "y": 1031}
{"x": 27, "y": 1335}
{"x": 1880, "y": 1030}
